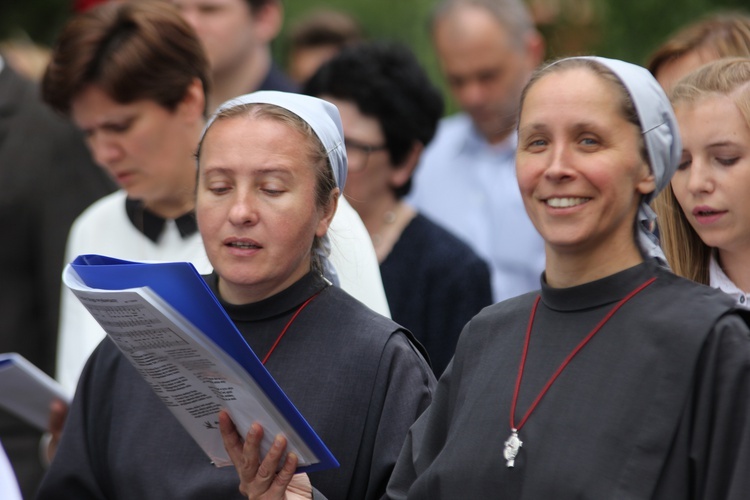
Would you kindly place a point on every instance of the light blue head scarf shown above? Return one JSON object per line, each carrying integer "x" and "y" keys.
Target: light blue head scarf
{"x": 323, "y": 117}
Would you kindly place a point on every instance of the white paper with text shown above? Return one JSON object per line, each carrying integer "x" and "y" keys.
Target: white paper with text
{"x": 192, "y": 376}
{"x": 26, "y": 391}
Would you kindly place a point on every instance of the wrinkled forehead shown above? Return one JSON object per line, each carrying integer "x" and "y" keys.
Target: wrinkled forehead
{"x": 580, "y": 65}
{"x": 573, "y": 86}
{"x": 241, "y": 125}
{"x": 238, "y": 117}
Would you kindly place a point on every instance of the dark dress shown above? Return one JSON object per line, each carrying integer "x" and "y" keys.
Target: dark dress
{"x": 276, "y": 79}
{"x": 47, "y": 178}
{"x": 435, "y": 283}
{"x": 354, "y": 375}
{"x": 655, "y": 406}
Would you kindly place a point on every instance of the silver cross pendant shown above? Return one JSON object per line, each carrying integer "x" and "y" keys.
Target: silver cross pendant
{"x": 512, "y": 445}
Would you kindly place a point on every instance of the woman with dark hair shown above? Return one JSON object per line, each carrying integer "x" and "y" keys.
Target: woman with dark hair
{"x": 389, "y": 108}
{"x": 134, "y": 78}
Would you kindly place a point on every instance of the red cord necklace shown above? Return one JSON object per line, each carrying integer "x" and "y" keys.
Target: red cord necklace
{"x": 289, "y": 323}
{"x": 513, "y": 444}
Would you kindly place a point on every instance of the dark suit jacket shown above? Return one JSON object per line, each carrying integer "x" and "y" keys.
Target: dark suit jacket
{"x": 46, "y": 179}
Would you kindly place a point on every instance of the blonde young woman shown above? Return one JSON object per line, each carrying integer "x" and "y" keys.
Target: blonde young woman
{"x": 705, "y": 213}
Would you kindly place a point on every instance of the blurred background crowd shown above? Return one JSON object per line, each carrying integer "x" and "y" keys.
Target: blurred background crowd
{"x": 628, "y": 30}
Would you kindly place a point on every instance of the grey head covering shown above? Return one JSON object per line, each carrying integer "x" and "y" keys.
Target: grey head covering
{"x": 323, "y": 117}
{"x": 661, "y": 136}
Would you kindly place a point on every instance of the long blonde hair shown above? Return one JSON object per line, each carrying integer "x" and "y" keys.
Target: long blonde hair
{"x": 687, "y": 254}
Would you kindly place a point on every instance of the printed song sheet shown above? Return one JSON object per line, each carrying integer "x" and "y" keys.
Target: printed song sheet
{"x": 26, "y": 391}
{"x": 188, "y": 371}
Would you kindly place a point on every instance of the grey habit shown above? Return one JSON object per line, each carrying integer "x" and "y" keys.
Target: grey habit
{"x": 353, "y": 374}
{"x": 655, "y": 406}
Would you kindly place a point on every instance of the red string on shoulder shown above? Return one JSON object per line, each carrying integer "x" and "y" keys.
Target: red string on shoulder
{"x": 289, "y": 323}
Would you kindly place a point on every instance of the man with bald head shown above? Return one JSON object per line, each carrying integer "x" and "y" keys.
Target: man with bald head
{"x": 487, "y": 50}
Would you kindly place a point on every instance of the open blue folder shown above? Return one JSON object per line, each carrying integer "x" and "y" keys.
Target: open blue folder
{"x": 180, "y": 285}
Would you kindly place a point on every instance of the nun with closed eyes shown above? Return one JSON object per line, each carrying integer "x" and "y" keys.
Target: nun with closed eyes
{"x": 617, "y": 379}
{"x": 271, "y": 166}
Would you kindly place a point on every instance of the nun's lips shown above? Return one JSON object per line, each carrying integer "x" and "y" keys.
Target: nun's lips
{"x": 242, "y": 246}
{"x": 242, "y": 243}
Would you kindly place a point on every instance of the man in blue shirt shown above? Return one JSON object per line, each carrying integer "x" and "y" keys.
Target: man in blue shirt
{"x": 466, "y": 180}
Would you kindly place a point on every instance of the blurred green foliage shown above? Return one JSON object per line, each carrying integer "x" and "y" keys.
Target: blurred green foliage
{"x": 625, "y": 29}
{"x": 632, "y": 29}
{"x": 33, "y": 20}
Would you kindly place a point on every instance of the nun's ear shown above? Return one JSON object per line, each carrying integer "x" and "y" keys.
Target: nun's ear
{"x": 327, "y": 212}
{"x": 647, "y": 184}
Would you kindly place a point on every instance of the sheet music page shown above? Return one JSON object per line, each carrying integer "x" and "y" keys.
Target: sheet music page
{"x": 26, "y": 391}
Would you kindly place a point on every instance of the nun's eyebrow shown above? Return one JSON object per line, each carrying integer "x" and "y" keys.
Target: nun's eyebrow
{"x": 533, "y": 127}
{"x": 578, "y": 127}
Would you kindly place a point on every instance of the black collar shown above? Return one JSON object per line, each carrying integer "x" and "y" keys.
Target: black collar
{"x": 152, "y": 225}
{"x": 280, "y": 304}
{"x": 607, "y": 290}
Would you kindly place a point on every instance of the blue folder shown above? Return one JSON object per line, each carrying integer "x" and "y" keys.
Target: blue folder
{"x": 179, "y": 284}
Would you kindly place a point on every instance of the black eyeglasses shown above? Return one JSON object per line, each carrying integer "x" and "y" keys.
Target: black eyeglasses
{"x": 357, "y": 153}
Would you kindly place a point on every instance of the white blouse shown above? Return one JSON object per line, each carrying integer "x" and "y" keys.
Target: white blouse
{"x": 719, "y": 279}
